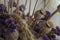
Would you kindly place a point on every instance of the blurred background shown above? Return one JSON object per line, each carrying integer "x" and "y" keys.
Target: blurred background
{"x": 52, "y": 7}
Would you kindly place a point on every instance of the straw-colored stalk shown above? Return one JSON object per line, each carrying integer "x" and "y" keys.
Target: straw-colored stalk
{"x": 34, "y": 8}
{"x": 29, "y": 19}
{"x": 46, "y": 5}
{"x": 26, "y": 3}
{"x": 26, "y": 33}
{"x": 17, "y": 7}
{"x": 5, "y": 2}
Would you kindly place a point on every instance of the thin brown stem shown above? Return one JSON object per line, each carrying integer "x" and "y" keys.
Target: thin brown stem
{"x": 44, "y": 3}
{"x": 52, "y": 14}
{"x": 5, "y": 2}
{"x": 29, "y": 8}
{"x": 8, "y": 9}
{"x": 47, "y": 4}
{"x": 34, "y": 7}
{"x": 12, "y": 6}
{"x": 17, "y": 7}
{"x": 25, "y": 3}
{"x": 34, "y": 22}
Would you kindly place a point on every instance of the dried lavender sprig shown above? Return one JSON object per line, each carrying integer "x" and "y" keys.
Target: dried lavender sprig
{"x": 2, "y": 8}
{"x": 45, "y": 37}
{"x": 58, "y": 30}
{"x": 8, "y": 24}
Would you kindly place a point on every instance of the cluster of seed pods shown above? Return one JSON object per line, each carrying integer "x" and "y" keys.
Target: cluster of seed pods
{"x": 39, "y": 26}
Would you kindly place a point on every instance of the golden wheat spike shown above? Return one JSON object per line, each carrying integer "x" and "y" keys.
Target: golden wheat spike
{"x": 26, "y": 34}
{"x": 34, "y": 7}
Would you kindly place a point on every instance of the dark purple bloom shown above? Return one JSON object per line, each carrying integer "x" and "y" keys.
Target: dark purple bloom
{"x": 58, "y": 30}
{"x": 57, "y": 27}
{"x": 7, "y": 23}
{"x": 37, "y": 30}
{"x": 53, "y": 37}
{"x": 48, "y": 13}
{"x": 45, "y": 37}
{"x": 21, "y": 7}
{"x": 33, "y": 32}
{"x": 14, "y": 26}
{"x": 2, "y": 8}
{"x": 6, "y": 31}
{"x": 37, "y": 25}
{"x": 11, "y": 20}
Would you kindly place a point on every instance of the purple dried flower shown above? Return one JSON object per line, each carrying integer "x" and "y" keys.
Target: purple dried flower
{"x": 37, "y": 30}
{"x": 2, "y": 8}
{"x": 22, "y": 7}
{"x": 48, "y": 13}
{"x": 58, "y": 30}
{"x": 8, "y": 24}
{"x": 45, "y": 37}
{"x": 33, "y": 32}
{"x": 53, "y": 37}
{"x": 57, "y": 27}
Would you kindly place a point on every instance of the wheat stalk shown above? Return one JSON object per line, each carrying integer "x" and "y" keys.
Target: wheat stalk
{"x": 26, "y": 34}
